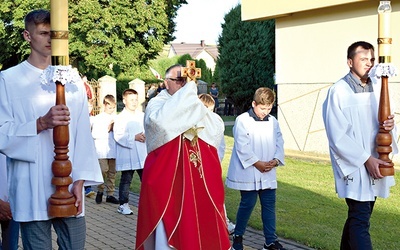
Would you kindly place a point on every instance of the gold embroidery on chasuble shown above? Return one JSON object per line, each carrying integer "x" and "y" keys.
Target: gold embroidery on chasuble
{"x": 195, "y": 160}
{"x": 194, "y": 152}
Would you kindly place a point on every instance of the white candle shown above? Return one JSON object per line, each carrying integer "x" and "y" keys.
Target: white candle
{"x": 384, "y": 34}
{"x": 384, "y": 24}
{"x": 59, "y": 22}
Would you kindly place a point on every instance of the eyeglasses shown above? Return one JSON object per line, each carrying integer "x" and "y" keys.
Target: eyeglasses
{"x": 181, "y": 79}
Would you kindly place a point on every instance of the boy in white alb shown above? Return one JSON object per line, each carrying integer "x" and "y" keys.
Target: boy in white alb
{"x": 209, "y": 102}
{"x": 103, "y": 135}
{"x": 257, "y": 151}
{"x": 131, "y": 147}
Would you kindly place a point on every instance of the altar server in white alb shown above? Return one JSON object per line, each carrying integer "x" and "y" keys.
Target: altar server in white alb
{"x": 257, "y": 151}
{"x": 350, "y": 114}
{"x": 27, "y": 118}
{"x": 131, "y": 147}
{"x": 103, "y": 135}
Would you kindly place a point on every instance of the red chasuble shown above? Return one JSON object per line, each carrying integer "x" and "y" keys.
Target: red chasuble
{"x": 182, "y": 186}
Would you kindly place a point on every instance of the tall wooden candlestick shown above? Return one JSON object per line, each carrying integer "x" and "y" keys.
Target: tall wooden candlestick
{"x": 384, "y": 138}
{"x": 62, "y": 202}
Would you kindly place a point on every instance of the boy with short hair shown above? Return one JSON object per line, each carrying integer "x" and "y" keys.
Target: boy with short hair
{"x": 257, "y": 151}
{"x": 103, "y": 135}
{"x": 209, "y": 102}
{"x": 131, "y": 147}
{"x": 351, "y": 122}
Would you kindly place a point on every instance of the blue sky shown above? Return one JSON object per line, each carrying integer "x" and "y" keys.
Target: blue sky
{"x": 201, "y": 20}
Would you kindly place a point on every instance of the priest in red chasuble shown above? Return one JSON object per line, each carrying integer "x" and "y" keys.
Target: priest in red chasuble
{"x": 182, "y": 194}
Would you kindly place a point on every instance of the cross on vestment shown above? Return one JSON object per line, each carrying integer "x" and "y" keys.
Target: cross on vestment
{"x": 190, "y": 71}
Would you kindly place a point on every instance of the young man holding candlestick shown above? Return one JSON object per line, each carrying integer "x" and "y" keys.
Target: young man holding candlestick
{"x": 27, "y": 118}
{"x": 350, "y": 114}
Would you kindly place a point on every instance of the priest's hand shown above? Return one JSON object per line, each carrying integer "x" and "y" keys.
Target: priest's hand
{"x": 77, "y": 188}
{"x": 372, "y": 165}
{"x": 56, "y": 116}
{"x": 389, "y": 123}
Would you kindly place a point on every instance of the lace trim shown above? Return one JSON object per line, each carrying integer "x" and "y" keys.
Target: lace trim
{"x": 383, "y": 69}
{"x": 62, "y": 74}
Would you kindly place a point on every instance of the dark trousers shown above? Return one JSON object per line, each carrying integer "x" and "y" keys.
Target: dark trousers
{"x": 228, "y": 108}
{"x": 356, "y": 229}
{"x": 268, "y": 214}
{"x": 9, "y": 235}
{"x": 125, "y": 184}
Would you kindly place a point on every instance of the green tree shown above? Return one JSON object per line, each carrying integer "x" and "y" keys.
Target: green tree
{"x": 162, "y": 64}
{"x": 106, "y": 36}
{"x": 215, "y": 76}
{"x": 246, "y": 57}
{"x": 206, "y": 74}
{"x": 183, "y": 58}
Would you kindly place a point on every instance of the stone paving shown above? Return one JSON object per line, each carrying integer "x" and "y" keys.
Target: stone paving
{"x": 107, "y": 229}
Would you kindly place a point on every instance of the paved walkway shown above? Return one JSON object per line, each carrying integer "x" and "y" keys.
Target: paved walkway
{"x": 107, "y": 229}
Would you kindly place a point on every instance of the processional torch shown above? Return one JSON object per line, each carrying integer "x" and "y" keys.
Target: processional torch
{"x": 62, "y": 202}
{"x": 383, "y": 70}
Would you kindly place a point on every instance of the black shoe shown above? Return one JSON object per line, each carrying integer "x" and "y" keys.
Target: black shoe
{"x": 237, "y": 242}
{"x": 274, "y": 246}
{"x": 112, "y": 199}
{"x": 99, "y": 197}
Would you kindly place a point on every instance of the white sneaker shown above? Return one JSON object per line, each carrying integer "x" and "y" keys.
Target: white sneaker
{"x": 125, "y": 209}
{"x": 231, "y": 227}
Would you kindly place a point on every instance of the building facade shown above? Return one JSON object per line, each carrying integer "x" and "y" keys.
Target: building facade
{"x": 312, "y": 38}
{"x": 209, "y": 53}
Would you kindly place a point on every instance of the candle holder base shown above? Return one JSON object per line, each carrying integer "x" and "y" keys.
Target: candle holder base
{"x": 62, "y": 210}
{"x": 386, "y": 170}
{"x": 62, "y": 202}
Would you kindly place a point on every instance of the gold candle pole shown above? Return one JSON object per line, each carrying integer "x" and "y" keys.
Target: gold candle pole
{"x": 62, "y": 202}
{"x": 384, "y": 138}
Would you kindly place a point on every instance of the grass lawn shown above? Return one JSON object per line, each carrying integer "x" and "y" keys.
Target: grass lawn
{"x": 228, "y": 118}
{"x": 308, "y": 210}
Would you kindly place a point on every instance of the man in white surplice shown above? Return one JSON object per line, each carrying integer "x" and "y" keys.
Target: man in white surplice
{"x": 27, "y": 118}
{"x": 350, "y": 114}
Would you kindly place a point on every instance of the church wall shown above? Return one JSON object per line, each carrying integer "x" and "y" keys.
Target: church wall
{"x": 311, "y": 46}
{"x": 267, "y": 9}
{"x": 311, "y": 52}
